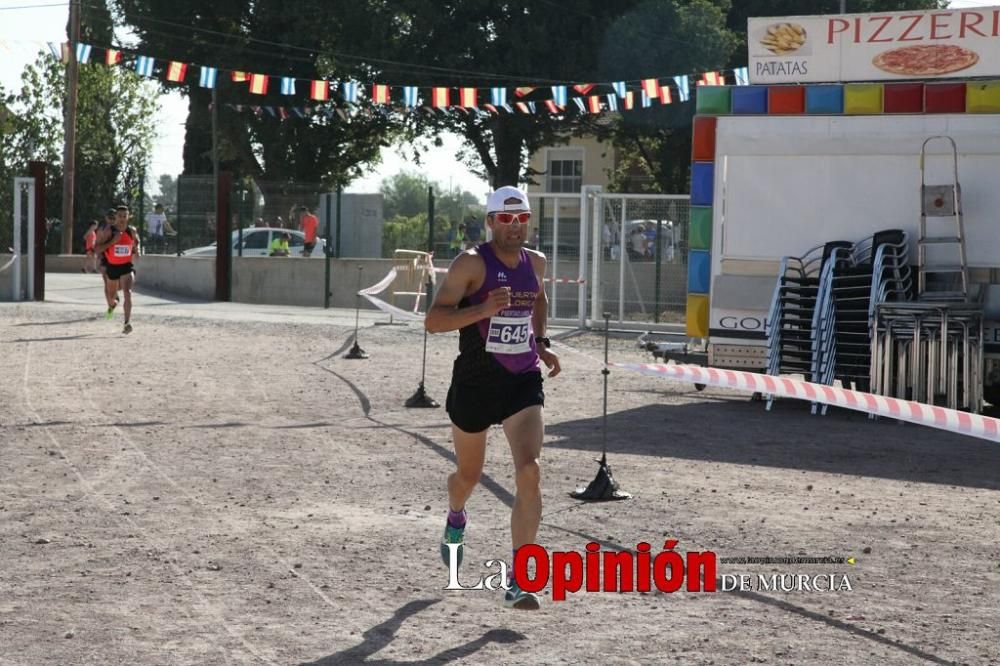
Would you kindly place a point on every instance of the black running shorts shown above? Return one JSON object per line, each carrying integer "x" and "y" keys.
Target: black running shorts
{"x": 116, "y": 271}
{"x": 476, "y": 408}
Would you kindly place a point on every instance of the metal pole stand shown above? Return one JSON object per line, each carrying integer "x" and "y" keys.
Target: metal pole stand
{"x": 603, "y": 488}
{"x": 356, "y": 351}
{"x": 420, "y": 399}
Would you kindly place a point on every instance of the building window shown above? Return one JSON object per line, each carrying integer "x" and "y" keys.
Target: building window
{"x": 565, "y": 171}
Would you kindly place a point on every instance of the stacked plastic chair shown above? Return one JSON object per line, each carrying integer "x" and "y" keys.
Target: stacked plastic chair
{"x": 790, "y": 319}
{"x": 852, "y": 282}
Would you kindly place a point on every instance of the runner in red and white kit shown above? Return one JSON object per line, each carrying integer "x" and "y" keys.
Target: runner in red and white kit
{"x": 493, "y": 296}
{"x": 118, "y": 251}
{"x": 104, "y": 229}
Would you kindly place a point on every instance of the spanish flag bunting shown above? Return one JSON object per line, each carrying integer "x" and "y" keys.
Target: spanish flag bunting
{"x": 258, "y": 84}
{"x": 176, "y": 71}
{"x": 651, "y": 87}
{"x": 712, "y": 79}
{"x": 525, "y": 90}
{"x": 440, "y": 97}
{"x": 239, "y": 77}
{"x": 629, "y": 100}
{"x": 467, "y": 97}
{"x": 319, "y": 90}
{"x": 380, "y": 93}
{"x": 594, "y": 104}
{"x": 665, "y": 96}
{"x": 112, "y": 57}
{"x": 583, "y": 88}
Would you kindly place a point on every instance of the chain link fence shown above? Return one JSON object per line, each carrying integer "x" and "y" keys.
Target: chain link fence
{"x": 254, "y": 204}
{"x": 642, "y": 273}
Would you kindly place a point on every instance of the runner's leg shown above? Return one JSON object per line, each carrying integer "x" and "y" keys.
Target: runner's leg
{"x": 470, "y": 454}
{"x": 525, "y": 431}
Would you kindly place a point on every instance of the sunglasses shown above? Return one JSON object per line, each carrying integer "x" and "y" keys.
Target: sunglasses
{"x": 509, "y": 218}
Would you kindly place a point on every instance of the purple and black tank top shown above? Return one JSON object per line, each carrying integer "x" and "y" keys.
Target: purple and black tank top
{"x": 503, "y": 346}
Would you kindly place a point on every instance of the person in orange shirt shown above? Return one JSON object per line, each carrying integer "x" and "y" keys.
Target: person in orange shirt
{"x": 308, "y": 224}
{"x": 89, "y": 241}
{"x": 118, "y": 250}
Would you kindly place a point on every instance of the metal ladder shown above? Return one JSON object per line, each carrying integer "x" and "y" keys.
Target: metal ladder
{"x": 951, "y": 280}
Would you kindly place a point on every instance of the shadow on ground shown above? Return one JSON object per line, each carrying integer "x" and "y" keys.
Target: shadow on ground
{"x": 741, "y": 432}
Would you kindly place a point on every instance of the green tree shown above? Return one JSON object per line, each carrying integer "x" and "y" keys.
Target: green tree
{"x": 115, "y": 131}
{"x": 269, "y": 37}
{"x": 168, "y": 191}
{"x": 405, "y": 208}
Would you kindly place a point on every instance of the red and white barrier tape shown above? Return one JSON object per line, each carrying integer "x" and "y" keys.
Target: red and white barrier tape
{"x": 951, "y": 420}
{"x": 390, "y": 309}
{"x": 8, "y": 264}
{"x": 380, "y": 286}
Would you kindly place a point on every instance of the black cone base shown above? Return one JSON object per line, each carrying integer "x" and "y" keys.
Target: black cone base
{"x": 602, "y": 489}
{"x": 420, "y": 399}
{"x": 356, "y": 352}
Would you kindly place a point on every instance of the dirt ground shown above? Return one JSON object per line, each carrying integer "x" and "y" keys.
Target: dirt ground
{"x": 216, "y": 490}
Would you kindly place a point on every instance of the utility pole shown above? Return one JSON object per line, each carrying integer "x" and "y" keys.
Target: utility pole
{"x": 843, "y": 6}
{"x": 69, "y": 128}
{"x": 215, "y": 147}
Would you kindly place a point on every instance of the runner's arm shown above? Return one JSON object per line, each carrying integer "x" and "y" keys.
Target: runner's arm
{"x": 445, "y": 315}
{"x": 109, "y": 240}
{"x": 540, "y": 313}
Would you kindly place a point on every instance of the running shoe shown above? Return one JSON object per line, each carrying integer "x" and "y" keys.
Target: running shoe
{"x": 127, "y": 329}
{"x": 519, "y": 599}
{"x": 110, "y": 314}
{"x": 452, "y": 535}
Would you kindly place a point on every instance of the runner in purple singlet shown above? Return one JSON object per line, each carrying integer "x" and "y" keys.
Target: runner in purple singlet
{"x": 493, "y": 296}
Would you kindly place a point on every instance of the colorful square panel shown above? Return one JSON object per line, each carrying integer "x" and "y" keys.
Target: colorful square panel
{"x": 750, "y": 99}
{"x": 703, "y": 139}
{"x": 904, "y": 98}
{"x": 786, "y": 99}
{"x": 702, "y": 181}
{"x": 700, "y": 230}
{"x": 699, "y": 272}
{"x": 863, "y": 98}
{"x": 713, "y": 100}
{"x": 697, "y": 316}
{"x": 944, "y": 98}
{"x": 982, "y": 97}
{"x": 825, "y": 99}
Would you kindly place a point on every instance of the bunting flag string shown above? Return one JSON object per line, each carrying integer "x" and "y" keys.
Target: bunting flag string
{"x": 587, "y": 98}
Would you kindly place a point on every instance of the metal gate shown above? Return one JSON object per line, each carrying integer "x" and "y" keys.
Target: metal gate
{"x": 560, "y": 232}
{"x": 639, "y": 272}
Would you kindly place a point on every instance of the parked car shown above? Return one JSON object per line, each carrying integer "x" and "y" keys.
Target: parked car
{"x": 257, "y": 243}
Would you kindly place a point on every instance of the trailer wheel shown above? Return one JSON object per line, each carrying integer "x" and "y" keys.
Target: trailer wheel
{"x": 699, "y": 387}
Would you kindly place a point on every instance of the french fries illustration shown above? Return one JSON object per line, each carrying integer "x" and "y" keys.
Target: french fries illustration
{"x": 782, "y": 38}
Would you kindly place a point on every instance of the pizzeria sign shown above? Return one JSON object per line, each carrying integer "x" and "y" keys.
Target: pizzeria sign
{"x": 875, "y": 47}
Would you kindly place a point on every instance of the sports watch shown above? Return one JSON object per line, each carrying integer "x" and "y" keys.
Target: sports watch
{"x": 545, "y": 341}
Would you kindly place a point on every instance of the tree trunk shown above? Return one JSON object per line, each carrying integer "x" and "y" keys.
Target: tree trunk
{"x": 198, "y": 133}
{"x": 507, "y": 144}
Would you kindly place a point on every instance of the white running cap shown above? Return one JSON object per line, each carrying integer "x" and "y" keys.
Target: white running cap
{"x": 497, "y": 201}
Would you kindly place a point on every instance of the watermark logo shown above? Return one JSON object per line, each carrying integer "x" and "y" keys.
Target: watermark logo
{"x": 643, "y": 570}
{"x": 595, "y": 570}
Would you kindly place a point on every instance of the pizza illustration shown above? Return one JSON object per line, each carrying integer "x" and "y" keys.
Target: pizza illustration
{"x": 926, "y": 60}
